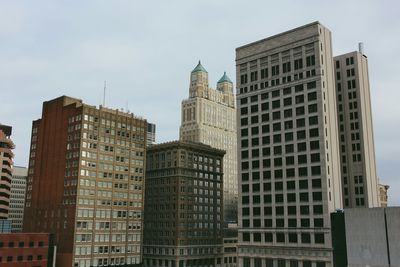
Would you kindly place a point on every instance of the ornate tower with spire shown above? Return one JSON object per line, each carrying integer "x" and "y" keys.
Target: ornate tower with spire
{"x": 198, "y": 81}
{"x": 209, "y": 117}
{"x": 225, "y": 86}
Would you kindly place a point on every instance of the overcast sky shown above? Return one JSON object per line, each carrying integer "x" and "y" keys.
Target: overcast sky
{"x": 146, "y": 50}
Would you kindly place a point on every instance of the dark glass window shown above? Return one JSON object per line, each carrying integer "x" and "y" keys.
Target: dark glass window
{"x": 280, "y": 237}
{"x": 305, "y": 238}
{"x": 312, "y": 108}
{"x": 292, "y": 237}
{"x": 319, "y": 238}
{"x": 316, "y": 183}
{"x": 303, "y": 184}
{"x": 315, "y": 157}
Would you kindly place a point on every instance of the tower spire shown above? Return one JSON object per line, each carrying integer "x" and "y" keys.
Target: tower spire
{"x": 199, "y": 67}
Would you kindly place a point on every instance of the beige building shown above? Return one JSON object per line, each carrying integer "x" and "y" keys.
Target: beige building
{"x": 183, "y": 206}
{"x": 383, "y": 195}
{"x": 17, "y": 198}
{"x": 86, "y": 183}
{"x": 209, "y": 117}
{"x": 289, "y": 173}
{"x": 6, "y": 170}
{"x": 356, "y": 136}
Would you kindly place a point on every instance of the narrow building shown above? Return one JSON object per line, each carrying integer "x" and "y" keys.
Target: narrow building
{"x": 357, "y": 149}
{"x": 17, "y": 198}
{"x": 183, "y": 206}
{"x": 85, "y": 183}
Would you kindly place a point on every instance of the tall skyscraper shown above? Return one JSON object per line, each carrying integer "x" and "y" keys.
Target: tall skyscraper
{"x": 209, "y": 117}
{"x": 6, "y": 168}
{"x": 288, "y": 149}
{"x": 183, "y": 206}
{"x": 85, "y": 183}
{"x": 17, "y": 198}
{"x": 359, "y": 178}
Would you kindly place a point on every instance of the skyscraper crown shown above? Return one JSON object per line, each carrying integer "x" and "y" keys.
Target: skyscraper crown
{"x": 224, "y": 78}
{"x": 199, "y": 67}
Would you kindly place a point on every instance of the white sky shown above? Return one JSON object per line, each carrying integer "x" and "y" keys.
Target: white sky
{"x": 146, "y": 50}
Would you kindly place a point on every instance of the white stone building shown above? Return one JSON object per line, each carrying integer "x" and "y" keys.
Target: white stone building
{"x": 209, "y": 117}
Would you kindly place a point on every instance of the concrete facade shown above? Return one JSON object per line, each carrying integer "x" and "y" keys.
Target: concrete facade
{"x": 366, "y": 237}
{"x": 289, "y": 173}
{"x": 183, "y": 206}
{"x": 209, "y": 117}
{"x": 356, "y": 136}
{"x": 17, "y": 198}
{"x": 86, "y": 183}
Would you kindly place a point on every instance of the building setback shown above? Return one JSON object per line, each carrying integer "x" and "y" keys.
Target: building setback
{"x": 358, "y": 167}
{"x": 17, "y": 198}
{"x": 85, "y": 183}
{"x": 289, "y": 173}
{"x": 209, "y": 117}
{"x": 183, "y": 206}
{"x": 6, "y": 168}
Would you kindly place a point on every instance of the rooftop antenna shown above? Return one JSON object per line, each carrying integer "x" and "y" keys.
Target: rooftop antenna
{"x": 361, "y": 48}
{"x": 104, "y": 94}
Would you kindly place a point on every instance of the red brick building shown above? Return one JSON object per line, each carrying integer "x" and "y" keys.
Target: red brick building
{"x": 26, "y": 250}
{"x": 85, "y": 183}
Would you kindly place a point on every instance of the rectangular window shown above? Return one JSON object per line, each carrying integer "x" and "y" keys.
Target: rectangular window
{"x": 298, "y": 64}
{"x": 286, "y": 67}
{"x": 264, "y": 73}
{"x": 310, "y": 60}
{"x": 275, "y": 70}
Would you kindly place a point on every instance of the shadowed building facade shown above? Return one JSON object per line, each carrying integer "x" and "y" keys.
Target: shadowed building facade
{"x": 183, "y": 206}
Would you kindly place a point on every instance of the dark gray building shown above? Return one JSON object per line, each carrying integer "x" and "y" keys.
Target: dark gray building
{"x": 183, "y": 205}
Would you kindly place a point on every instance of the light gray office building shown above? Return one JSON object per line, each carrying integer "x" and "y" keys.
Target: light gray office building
{"x": 289, "y": 172}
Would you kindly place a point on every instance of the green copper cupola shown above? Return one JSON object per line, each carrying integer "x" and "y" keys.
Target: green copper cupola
{"x": 224, "y": 78}
{"x": 199, "y": 67}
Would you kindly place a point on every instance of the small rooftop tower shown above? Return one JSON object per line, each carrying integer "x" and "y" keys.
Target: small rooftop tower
{"x": 361, "y": 48}
{"x": 198, "y": 81}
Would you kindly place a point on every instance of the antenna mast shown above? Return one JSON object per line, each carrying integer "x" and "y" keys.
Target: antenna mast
{"x": 104, "y": 94}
